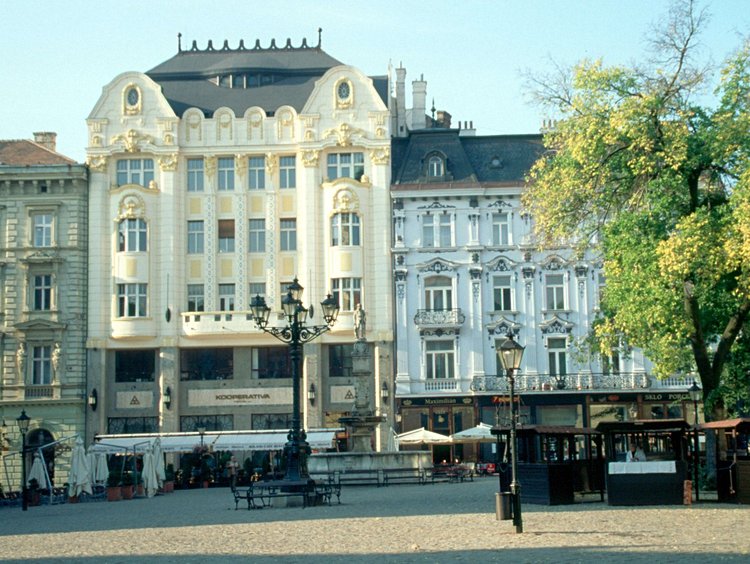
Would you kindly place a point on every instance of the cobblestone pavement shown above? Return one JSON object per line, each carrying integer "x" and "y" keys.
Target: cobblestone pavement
{"x": 405, "y": 523}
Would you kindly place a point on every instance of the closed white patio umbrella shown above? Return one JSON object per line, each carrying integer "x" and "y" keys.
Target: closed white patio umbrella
{"x": 37, "y": 472}
{"x": 79, "y": 477}
{"x": 148, "y": 474}
{"x": 159, "y": 462}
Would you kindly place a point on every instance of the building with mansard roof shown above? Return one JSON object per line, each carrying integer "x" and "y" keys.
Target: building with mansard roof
{"x": 43, "y": 238}
{"x": 219, "y": 175}
{"x": 467, "y": 273}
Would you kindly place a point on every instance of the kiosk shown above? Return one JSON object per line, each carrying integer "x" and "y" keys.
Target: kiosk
{"x": 556, "y": 462}
{"x": 732, "y": 458}
{"x": 657, "y": 480}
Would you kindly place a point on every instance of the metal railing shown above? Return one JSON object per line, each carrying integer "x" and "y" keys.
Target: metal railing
{"x": 576, "y": 381}
{"x": 439, "y": 317}
{"x": 31, "y": 392}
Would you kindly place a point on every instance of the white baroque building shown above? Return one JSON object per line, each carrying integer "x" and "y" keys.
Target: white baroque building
{"x": 221, "y": 174}
{"x": 467, "y": 274}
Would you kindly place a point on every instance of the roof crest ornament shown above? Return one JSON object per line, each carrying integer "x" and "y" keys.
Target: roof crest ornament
{"x": 273, "y": 46}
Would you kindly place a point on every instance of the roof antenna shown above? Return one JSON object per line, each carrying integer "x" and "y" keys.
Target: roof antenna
{"x": 320, "y": 37}
{"x": 179, "y": 43}
{"x": 433, "y": 112}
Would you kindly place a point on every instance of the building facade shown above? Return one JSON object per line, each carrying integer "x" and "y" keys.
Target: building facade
{"x": 43, "y": 292}
{"x": 467, "y": 273}
{"x": 217, "y": 176}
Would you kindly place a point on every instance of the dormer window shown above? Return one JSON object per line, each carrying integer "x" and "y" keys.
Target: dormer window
{"x": 435, "y": 167}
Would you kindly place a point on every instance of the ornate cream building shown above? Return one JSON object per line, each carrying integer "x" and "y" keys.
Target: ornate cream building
{"x": 221, "y": 174}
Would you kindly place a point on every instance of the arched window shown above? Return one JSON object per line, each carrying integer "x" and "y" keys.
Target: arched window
{"x": 435, "y": 167}
{"x": 345, "y": 230}
{"x": 133, "y": 236}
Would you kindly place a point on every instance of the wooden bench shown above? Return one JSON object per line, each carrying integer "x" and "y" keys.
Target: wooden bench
{"x": 261, "y": 494}
{"x": 451, "y": 473}
{"x": 403, "y": 475}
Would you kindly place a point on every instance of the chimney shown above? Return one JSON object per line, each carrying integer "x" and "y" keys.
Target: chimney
{"x": 444, "y": 119}
{"x": 467, "y": 129}
{"x": 401, "y": 101}
{"x": 46, "y": 139}
{"x": 419, "y": 105}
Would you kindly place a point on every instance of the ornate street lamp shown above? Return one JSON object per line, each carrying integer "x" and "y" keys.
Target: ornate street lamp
{"x": 295, "y": 334}
{"x": 510, "y": 354}
{"x": 23, "y": 425}
{"x": 695, "y": 395}
{"x": 201, "y": 431}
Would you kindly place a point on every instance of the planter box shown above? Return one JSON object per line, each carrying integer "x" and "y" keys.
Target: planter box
{"x": 127, "y": 492}
{"x": 114, "y": 493}
{"x": 168, "y": 487}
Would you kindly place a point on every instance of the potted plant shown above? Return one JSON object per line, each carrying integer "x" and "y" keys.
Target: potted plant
{"x": 205, "y": 473}
{"x": 35, "y": 496}
{"x": 114, "y": 493}
{"x": 169, "y": 478}
{"x": 127, "y": 488}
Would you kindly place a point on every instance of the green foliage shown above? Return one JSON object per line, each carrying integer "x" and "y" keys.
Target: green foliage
{"x": 661, "y": 189}
{"x": 114, "y": 479}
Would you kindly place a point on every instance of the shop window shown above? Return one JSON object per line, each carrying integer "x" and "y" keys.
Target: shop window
{"x": 135, "y": 365}
{"x": 207, "y": 364}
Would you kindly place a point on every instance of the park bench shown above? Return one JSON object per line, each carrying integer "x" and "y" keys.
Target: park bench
{"x": 403, "y": 476}
{"x": 262, "y": 494}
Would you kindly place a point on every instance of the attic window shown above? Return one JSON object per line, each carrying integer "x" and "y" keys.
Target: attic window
{"x": 435, "y": 167}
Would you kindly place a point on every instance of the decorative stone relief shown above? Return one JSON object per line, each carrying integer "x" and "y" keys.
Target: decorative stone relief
{"x": 345, "y": 200}
{"x": 240, "y": 167}
{"x": 380, "y": 156}
{"x": 310, "y": 157}
{"x": 224, "y": 122}
{"x": 131, "y": 206}
{"x": 168, "y": 163}
{"x": 209, "y": 165}
{"x": 132, "y": 140}
{"x": 255, "y": 125}
{"x": 97, "y": 164}
{"x": 272, "y": 163}
{"x": 194, "y": 122}
{"x": 285, "y": 124}
{"x": 343, "y": 133}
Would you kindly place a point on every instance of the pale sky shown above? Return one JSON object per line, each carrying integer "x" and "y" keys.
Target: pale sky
{"x": 55, "y": 56}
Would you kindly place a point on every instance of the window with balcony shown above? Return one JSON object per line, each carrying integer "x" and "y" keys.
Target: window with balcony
{"x": 556, "y": 354}
{"x": 132, "y": 300}
{"x": 257, "y": 236}
{"x": 41, "y": 229}
{"x": 226, "y": 235}
{"x": 271, "y": 363}
{"x": 135, "y": 365}
{"x": 345, "y": 230}
{"x": 438, "y": 293}
{"x": 439, "y": 359}
{"x": 256, "y": 173}
{"x": 437, "y": 230}
{"x": 195, "y": 175}
{"x": 132, "y": 236}
{"x": 225, "y": 174}
{"x": 347, "y": 292}
{"x": 288, "y": 235}
{"x": 287, "y": 172}
{"x": 195, "y": 237}
{"x": 207, "y": 364}
{"x": 196, "y": 297}
{"x": 501, "y": 233}
{"x": 135, "y": 171}
{"x": 502, "y": 293}
{"x": 226, "y": 297}
{"x": 41, "y": 367}
{"x": 346, "y": 165}
{"x": 42, "y": 292}
{"x": 555, "y": 291}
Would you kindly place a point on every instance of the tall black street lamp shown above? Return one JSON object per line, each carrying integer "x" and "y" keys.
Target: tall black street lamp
{"x": 23, "y": 425}
{"x": 695, "y": 395}
{"x": 295, "y": 334}
{"x": 511, "y": 353}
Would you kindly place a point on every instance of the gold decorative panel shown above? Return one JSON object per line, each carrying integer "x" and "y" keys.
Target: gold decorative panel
{"x": 226, "y": 267}
{"x": 257, "y": 267}
{"x": 196, "y": 269}
{"x": 131, "y": 268}
{"x": 287, "y": 267}
{"x": 195, "y": 206}
{"x": 256, "y": 204}
{"x": 225, "y": 204}
{"x": 345, "y": 262}
{"x": 288, "y": 203}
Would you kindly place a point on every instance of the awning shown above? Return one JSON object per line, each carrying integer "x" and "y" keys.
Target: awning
{"x": 273, "y": 439}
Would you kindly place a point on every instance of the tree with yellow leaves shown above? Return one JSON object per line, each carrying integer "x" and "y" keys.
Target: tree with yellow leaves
{"x": 661, "y": 187}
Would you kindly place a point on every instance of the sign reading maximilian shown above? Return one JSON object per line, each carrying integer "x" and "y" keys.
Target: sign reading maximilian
{"x": 239, "y": 396}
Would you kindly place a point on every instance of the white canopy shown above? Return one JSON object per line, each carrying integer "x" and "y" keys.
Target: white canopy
{"x": 273, "y": 439}
{"x": 422, "y": 436}
{"x": 480, "y": 433}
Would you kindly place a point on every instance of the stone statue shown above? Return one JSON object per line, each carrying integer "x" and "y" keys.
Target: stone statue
{"x": 21, "y": 359}
{"x": 56, "y": 356}
{"x": 360, "y": 322}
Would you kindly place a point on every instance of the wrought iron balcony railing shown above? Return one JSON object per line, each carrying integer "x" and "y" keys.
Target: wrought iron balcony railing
{"x": 576, "y": 381}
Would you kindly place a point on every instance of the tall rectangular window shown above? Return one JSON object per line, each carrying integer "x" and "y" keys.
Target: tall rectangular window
{"x": 256, "y": 289}
{"x": 347, "y": 292}
{"x": 437, "y": 230}
{"x": 346, "y": 165}
{"x": 135, "y": 171}
{"x": 502, "y": 293}
{"x": 438, "y": 293}
{"x": 555, "y": 290}
{"x": 132, "y": 300}
{"x": 501, "y": 229}
{"x": 42, "y": 300}
{"x": 41, "y": 372}
{"x": 257, "y": 236}
{"x": 256, "y": 173}
{"x": 132, "y": 236}
{"x": 195, "y": 297}
{"x": 195, "y": 175}
{"x": 226, "y": 235}
{"x": 439, "y": 360}
{"x": 288, "y": 235}
{"x": 345, "y": 229}
{"x": 556, "y": 355}
{"x": 135, "y": 365}
{"x": 42, "y": 229}
{"x": 271, "y": 362}
{"x": 195, "y": 236}
{"x": 340, "y": 361}
{"x": 287, "y": 172}
{"x": 225, "y": 174}
{"x": 226, "y": 297}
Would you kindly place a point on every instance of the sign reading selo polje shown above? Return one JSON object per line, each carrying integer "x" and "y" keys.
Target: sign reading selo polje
{"x": 239, "y": 396}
